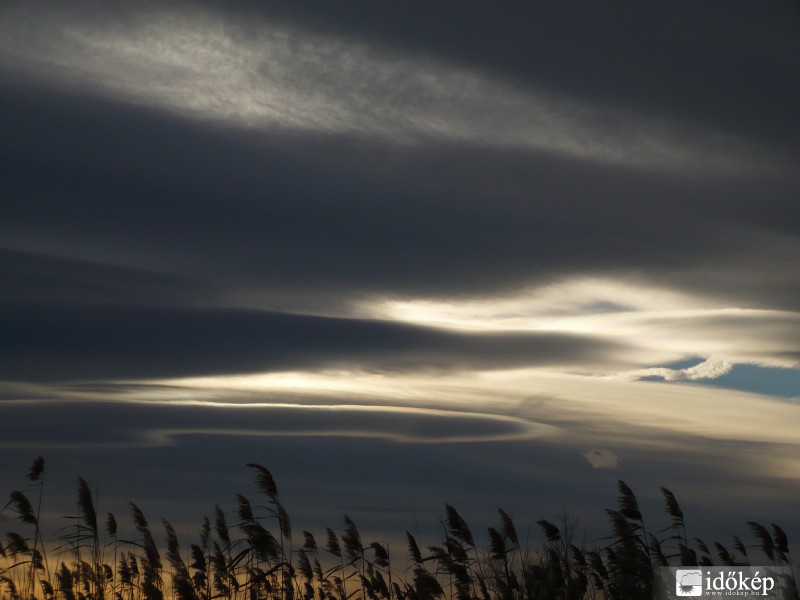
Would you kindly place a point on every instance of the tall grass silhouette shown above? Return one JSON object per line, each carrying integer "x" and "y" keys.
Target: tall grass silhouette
{"x": 254, "y": 558}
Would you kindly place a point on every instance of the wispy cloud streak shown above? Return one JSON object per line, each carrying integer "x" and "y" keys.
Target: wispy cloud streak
{"x": 207, "y": 66}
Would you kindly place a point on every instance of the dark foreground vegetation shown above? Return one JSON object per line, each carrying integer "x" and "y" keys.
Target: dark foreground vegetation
{"x": 253, "y": 554}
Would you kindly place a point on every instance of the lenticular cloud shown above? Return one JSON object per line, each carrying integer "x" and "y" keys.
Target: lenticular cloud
{"x": 208, "y": 67}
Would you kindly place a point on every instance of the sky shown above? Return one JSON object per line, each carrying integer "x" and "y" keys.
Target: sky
{"x": 402, "y": 255}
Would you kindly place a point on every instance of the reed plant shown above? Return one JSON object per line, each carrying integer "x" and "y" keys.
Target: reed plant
{"x": 254, "y": 558}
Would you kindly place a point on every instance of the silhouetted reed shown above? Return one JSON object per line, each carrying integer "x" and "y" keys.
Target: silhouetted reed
{"x": 254, "y": 559}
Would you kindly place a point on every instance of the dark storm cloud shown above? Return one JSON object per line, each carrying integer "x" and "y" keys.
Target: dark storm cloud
{"x": 112, "y": 196}
{"x": 58, "y": 342}
{"x": 282, "y": 215}
{"x": 732, "y": 64}
{"x": 33, "y": 277}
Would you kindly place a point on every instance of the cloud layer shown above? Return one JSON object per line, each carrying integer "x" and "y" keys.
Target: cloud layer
{"x": 212, "y": 66}
{"x": 71, "y": 342}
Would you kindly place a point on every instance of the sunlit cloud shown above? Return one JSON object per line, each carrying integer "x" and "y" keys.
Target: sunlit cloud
{"x": 563, "y": 305}
{"x": 205, "y": 66}
{"x": 659, "y": 325}
{"x": 547, "y": 397}
{"x": 570, "y": 411}
{"x": 708, "y": 369}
